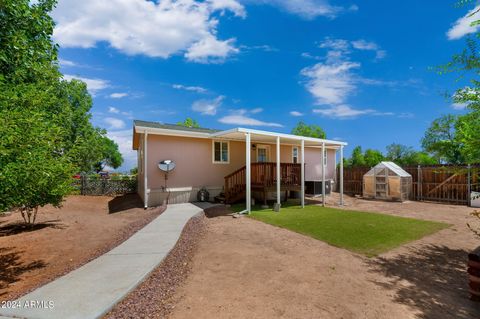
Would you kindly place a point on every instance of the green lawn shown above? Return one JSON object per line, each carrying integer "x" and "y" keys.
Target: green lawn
{"x": 365, "y": 233}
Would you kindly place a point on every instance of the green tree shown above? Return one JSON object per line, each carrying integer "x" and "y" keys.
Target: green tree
{"x": 89, "y": 147}
{"x": 27, "y": 52}
{"x": 357, "y": 158}
{"x": 189, "y": 122}
{"x": 373, "y": 157}
{"x": 441, "y": 140}
{"x": 467, "y": 64}
{"x": 43, "y": 119}
{"x": 312, "y": 130}
{"x": 405, "y": 156}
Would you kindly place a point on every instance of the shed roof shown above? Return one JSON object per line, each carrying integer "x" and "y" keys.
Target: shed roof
{"x": 391, "y": 166}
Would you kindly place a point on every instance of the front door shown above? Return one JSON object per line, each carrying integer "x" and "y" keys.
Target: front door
{"x": 262, "y": 154}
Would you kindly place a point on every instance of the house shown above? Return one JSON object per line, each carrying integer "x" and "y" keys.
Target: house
{"x": 238, "y": 163}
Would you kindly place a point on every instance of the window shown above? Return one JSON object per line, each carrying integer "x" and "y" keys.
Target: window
{"x": 262, "y": 154}
{"x": 295, "y": 155}
{"x": 325, "y": 159}
{"x": 221, "y": 152}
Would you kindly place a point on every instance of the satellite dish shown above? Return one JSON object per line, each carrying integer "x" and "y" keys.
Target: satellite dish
{"x": 166, "y": 166}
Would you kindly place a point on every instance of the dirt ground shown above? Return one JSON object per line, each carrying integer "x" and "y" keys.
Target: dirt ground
{"x": 64, "y": 239}
{"x": 247, "y": 269}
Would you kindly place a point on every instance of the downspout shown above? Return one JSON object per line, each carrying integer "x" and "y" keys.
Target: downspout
{"x": 145, "y": 178}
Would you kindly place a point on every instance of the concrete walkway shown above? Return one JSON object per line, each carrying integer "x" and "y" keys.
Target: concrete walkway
{"x": 93, "y": 289}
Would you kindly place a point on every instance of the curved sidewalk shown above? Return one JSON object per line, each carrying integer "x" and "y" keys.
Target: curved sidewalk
{"x": 93, "y": 289}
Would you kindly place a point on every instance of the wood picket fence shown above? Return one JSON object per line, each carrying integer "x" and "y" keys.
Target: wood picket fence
{"x": 450, "y": 184}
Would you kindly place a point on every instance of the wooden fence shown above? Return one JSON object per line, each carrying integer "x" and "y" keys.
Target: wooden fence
{"x": 437, "y": 183}
{"x": 104, "y": 186}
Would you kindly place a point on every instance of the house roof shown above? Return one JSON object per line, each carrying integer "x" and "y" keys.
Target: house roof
{"x": 140, "y": 127}
{"x": 172, "y": 127}
{"x": 391, "y": 166}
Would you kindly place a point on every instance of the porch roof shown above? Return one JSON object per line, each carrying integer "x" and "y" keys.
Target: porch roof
{"x": 259, "y": 136}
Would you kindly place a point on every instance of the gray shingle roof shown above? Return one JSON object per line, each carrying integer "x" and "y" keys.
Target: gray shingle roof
{"x": 173, "y": 127}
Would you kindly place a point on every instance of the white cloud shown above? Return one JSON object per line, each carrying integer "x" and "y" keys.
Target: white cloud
{"x": 307, "y": 9}
{"x": 152, "y": 28}
{"x": 93, "y": 85}
{"x": 211, "y": 50}
{"x": 197, "y": 89}
{"x": 296, "y": 113}
{"x": 118, "y": 95}
{"x": 330, "y": 83}
{"x": 339, "y": 49}
{"x": 364, "y": 45}
{"x": 459, "y": 106}
{"x": 242, "y": 119}
{"x": 124, "y": 140}
{"x": 462, "y": 26}
{"x": 256, "y": 110}
{"x": 208, "y": 107}
{"x": 113, "y": 110}
{"x": 342, "y": 111}
{"x": 66, "y": 63}
{"x": 114, "y": 123}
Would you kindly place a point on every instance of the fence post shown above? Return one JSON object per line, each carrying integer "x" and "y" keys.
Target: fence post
{"x": 469, "y": 185}
{"x": 419, "y": 183}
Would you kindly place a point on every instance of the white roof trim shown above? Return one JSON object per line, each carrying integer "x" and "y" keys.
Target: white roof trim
{"x": 274, "y": 134}
{"x": 169, "y": 132}
{"x": 164, "y": 131}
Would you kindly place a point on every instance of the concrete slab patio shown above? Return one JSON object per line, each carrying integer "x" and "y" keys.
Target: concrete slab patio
{"x": 93, "y": 289}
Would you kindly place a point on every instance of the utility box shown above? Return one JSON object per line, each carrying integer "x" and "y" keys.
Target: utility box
{"x": 475, "y": 199}
{"x": 315, "y": 187}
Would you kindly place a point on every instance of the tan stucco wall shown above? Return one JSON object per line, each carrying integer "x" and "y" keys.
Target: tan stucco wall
{"x": 195, "y": 167}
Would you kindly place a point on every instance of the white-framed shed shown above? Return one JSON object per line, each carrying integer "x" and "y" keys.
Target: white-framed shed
{"x": 257, "y": 136}
{"x": 387, "y": 181}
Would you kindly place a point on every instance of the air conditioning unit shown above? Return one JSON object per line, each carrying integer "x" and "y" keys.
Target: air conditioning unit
{"x": 315, "y": 187}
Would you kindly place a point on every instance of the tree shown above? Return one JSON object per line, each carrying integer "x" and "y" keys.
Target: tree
{"x": 405, "y": 155}
{"x": 441, "y": 140}
{"x": 33, "y": 170}
{"x": 467, "y": 64}
{"x": 312, "y": 130}
{"x": 357, "y": 158}
{"x": 44, "y": 121}
{"x": 373, "y": 157}
{"x": 189, "y": 122}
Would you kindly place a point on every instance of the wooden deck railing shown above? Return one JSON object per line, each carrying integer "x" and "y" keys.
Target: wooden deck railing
{"x": 263, "y": 175}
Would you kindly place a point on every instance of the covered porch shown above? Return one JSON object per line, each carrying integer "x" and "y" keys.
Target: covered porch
{"x": 275, "y": 176}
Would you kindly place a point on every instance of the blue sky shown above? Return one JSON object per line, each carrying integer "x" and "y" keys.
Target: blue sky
{"x": 359, "y": 69}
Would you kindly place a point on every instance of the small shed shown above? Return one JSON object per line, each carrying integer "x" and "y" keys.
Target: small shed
{"x": 387, "y": 181}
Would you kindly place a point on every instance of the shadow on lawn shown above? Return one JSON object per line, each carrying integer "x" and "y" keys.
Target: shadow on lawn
{"x": 21, "y": 227}
{"x": 11, "y": 268}
{"x": 431, "y": 279}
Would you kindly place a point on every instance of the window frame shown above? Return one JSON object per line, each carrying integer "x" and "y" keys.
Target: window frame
{"x": 213, "y": 152}
{"x": 293, "y": 155}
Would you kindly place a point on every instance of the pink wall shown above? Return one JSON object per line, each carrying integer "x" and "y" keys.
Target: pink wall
{"x": 313, "y": 167}
{"x": 195, "y": 168}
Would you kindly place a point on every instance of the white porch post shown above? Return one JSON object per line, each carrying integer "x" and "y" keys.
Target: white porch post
{"x": 278, "y": 174}
{"x": 145, "y": 170}
{"x": 341, "y": 175}
{"x": 323, "y": 174}
{"x": 302, "y": 172}
{"x": 248, "y": 164}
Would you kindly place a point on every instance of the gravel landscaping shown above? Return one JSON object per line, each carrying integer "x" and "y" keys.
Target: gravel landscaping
{"x": 65, "y": 239}
{"x": 156, "y": 296}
